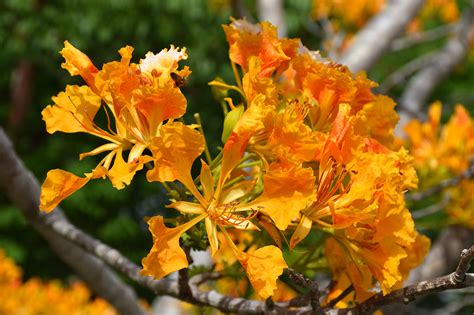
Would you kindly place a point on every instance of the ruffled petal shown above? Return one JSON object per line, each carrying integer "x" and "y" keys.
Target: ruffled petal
{"x": 174, "y": 152}
{"x": 73, "y": 110}
{"x": 122, "y": 172}
{"x": 288, "y": 189}
{"x": 60, "y": 184}
{"x": 77, "y": 63}
{"x": 166, "y": 256}
{"x": 256, "y": 264}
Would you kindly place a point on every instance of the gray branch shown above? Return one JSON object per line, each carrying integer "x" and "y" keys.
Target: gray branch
{"x": 376, "y": 37}
{"x": 23, "y": 190}
{"x": 422, "y": 37}
{"x": 456, "y": 280}
{"x": 273, "y": 12}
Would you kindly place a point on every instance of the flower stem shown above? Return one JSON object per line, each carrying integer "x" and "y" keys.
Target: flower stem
{"x": 197, "y": 117}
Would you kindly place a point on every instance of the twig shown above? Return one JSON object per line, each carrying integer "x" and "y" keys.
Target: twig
{"x": 421, "y": 213}
{"x": 340, "y": 297}
{"x": 422, "y": 37}
{"x": 456, "y": 280}
{"x": 401, "y": 74}
{"x": 464, "y": 264}
{"x": 377, "y": 35}
{"x": 313, "y": 293}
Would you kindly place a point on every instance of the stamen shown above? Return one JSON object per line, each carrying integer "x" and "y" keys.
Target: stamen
{"x": 96, "y": 130}
{"x": 330, "y": 186}
{"x": 108, "y": 120}
{"x": 227, "y": 217}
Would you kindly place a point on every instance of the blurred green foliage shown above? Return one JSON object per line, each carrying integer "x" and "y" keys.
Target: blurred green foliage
{"x": 32, "y": 32}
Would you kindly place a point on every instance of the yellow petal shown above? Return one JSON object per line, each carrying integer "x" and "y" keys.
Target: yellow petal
{"x": 77, "y": 63}
{"x": 122, "y": 173}
{"x": 166, "y": 256}
{"x": 174, "y": 152}
{"x": 212, "y": 235}
{"x": 187, "y": 207}
{"x": 237, "y": 191}
{"x": 301, "y": 231}
{"x": 207, "y": 181}
{"x": 100, "y": 149}
{"x": 288, "y": 189}
{"x": 263, "y": 268}
{"x": 60, "y": 184}
{"x": 271, "y": 229}
{"x": 73, "y": 110}
{"x": 261, "y": 40}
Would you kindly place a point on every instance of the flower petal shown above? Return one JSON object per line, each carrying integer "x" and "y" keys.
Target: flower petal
{"x": 77, "y": 63}
{"x": 207, "y": 181}
{"x": 261, "y": 40}
{"x": 164, "y": 62}
{"x": 174, "y": 152}
{"x": 122, "y": 173}
{"x": 166, "y": 256}
{"x": 211, "y": 230}
{"x": 302, "y": 230}
{"x": 288, "y": 188}
{"x": 263, "y": 278}
{"x": 187, "y": 207}
{"x": 73, "y": 110}
{"x": 60, "y": 184}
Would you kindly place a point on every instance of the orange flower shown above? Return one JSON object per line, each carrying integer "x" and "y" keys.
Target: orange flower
{"x": 38, "y": 297}
{"x": 138, "y": 97}
{"x": 219, "y": 207}
{"x": 261, "y": 40}
{"x": 374, "y": 230}
{"x": 444, "y": 151}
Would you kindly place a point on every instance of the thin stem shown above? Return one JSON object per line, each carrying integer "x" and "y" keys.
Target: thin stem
{"x": 197, "y": 117}
{"x": 229, "y": 87}
{"x": 171, "y": 192}
{"x": 233, "y": 181}
{"x": 224, "y": 108}
{"x": 250, "y": 164}
{"x": 237, "y": 76}
{"x": 216, "y": 160}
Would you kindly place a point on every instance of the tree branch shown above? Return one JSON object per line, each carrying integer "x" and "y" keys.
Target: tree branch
{"x": 377, "y": 35}
{"x": 456, "y": 280}
{"x": 23, "y": 190}
{"x": 273, "y": 12}
{"x": 400, "y": 75}
{"x": 422, "y": 37}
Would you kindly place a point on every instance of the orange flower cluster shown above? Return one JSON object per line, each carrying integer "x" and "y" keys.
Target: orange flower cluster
{"x": 441, "y": 152}
{"x": 307, "y": 148}
{"x": 37, "y": 297}
{"x": 136, "y": 98}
